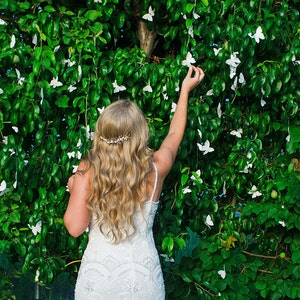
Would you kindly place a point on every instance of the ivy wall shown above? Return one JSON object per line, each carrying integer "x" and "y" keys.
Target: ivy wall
{"x": 228, "y": 223}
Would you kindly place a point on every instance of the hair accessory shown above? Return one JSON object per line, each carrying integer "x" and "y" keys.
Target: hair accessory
{"x": 119, "y": 140}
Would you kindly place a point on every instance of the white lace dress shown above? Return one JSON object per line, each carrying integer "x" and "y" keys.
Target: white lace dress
{"x": 129, "y": 271}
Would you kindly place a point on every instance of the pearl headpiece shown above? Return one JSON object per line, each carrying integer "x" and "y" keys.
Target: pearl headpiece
{"x": 119, "y": 140}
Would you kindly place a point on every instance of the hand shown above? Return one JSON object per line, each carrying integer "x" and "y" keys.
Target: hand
{"x": 70, "y": 183}
{"x": 190, "y": 81}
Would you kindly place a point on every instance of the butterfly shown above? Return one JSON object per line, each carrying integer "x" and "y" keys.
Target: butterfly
{"x": 149, "y": 16}
{"x": 216, "y": 51}
{"x": 189, "y": 60}
{"x": 118, "y": 88}
{"x": 148, "y": 88}
{"x": 208, "y": 221}
{"x": 205, "y": 148}
{"x": 219, "y": 111}
{"x": 2, "y": 22}
{"x": 37, "y": 228}
{"x": 55, "y": 83}
{"x": 258, "y": 35}
{"x": 13, "y": 41}
{"x": 222, "y": 273}
{"x": 20, "y": 79}
{"x": 3, "y": 186}
{"x": 237, "y": 133}
{"x": 72, "y": 88}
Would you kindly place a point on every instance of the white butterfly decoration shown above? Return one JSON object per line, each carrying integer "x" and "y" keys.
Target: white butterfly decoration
{"x": 167, "y": 258}
{"x": 3, "y": 186}
{"x": 100, "y": 110}
{"x": 262, "y": 101}
{"x": 224, "y": 188}
{"x": 282, "y": 223}
{"x": 254, "y": 192}
{"x": 1, "y": 91}
{"x": 199, "y": 133}
{"x": 194, "y": 178}
{"x": 208, "y": 221}
{"x": 191, "y": 31}
{"x": 118, "y": 88}
{"x": 242, "y": 79}
{"x": 258, "y": 35}
{"x": 13, "y": 41}
{"x": 79, "y": 143}
{"x": 148, "y": 88}
{"x": 186, "y": 190}
{"x": 195, "y": 15}
{"x": 37, "y": 228}
{"x": 149, "y": 16}
{"x": 238, "y": 133}
{"x": 295, "y": 61}
{"x": 173, "y": 109}
{"x": 231, "y": 75}
{"x": 189, "y": 60}
{"x": 205, "y": 148}
{"x": 247, "y": 167}
{"x": 55, "y": 83}
{"x": 2, "y": 22}
{"x": 72, "y": 88}
{"x": 210, "y": 92}
{"x": 37, "y": 275}
{"x": 71, "y": 154}
{"x": 233, "y": 61}
{"x": 20, "y": 79}
{"x": 56, "y": 48}
{"x": 79, "y": 72}
{"x": 88, "y": 133}
{"x": 75, "y": 168}
{"x": 219, "y": 111}
{"x": 217, "y": 50}
{"x": 78, "y": 155}
{"x": 34, "y": 40}
{"x": 222, "y": 273}
{"x": 42, "y": 96}
{"x": 68, "y": 62}
{"x": 15, "y": 129}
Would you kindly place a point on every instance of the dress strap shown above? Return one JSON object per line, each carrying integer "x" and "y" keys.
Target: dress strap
{"x": 156, "y": 181}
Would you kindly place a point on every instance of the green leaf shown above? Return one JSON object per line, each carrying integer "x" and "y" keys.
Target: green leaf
{"x": 205, "y": 2}
{"x": 296, "y": 257}
{"x": 15, "y": 216}
{"x": 260, "y": 285}
{"x": 92, "y": 15}
{"x": 295, "y": 134}
{"x": 62, "y": 101}
{"x": 168, "y": 244}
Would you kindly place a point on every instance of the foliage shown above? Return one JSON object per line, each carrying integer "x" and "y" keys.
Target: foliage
{"x": 228, "y": 224}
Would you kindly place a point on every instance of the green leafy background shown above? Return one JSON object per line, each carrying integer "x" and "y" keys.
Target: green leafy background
{"x": 252, "y": 249}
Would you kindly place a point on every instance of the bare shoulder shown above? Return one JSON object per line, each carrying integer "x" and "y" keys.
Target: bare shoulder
{"x": 163, "y": 161}
{"x": 82, "y": 174}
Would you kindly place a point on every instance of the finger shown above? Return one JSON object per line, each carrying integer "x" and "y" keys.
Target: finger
{"x": 189, "y": 73}
{"x": 200, "y": 74}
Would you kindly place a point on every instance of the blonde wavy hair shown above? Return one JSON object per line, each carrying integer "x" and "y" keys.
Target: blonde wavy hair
{"x": 120, "y": 162}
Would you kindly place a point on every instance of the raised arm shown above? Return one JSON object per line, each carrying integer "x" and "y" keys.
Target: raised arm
{"x": 77, "y": 215}
{"x": 164, "y": 157}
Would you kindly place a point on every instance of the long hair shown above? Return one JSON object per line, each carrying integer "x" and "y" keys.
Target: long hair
{"x": 120, "y": 162}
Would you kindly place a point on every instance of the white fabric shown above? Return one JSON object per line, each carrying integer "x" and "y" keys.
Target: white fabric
{"x": 129, "y": 270}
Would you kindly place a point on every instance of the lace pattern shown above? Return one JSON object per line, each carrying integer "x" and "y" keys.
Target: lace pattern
{"x": 129, "y": 270}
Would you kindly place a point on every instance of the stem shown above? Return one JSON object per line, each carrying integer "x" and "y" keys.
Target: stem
{"x": 73, "y": 262}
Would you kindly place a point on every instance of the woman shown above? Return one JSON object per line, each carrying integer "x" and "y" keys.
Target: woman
{"x": 115, "y": 191}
